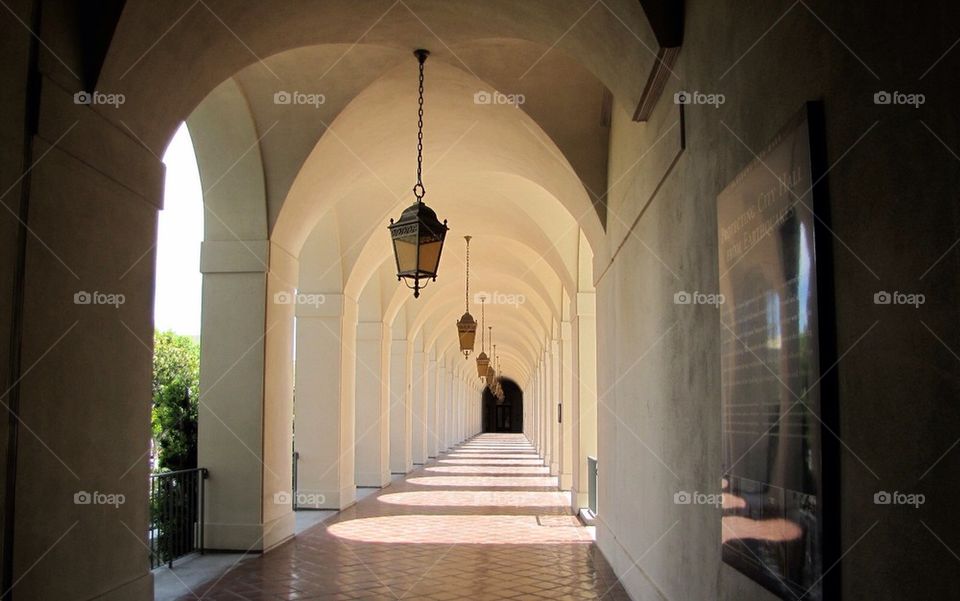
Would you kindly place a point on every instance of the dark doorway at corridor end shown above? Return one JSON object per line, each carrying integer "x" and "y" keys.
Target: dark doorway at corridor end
{"x": 503, "y": 414}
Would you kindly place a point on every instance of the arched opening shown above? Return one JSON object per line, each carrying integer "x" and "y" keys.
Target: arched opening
{"x": 504, "y": 412}
{"x": 175, "y": 481}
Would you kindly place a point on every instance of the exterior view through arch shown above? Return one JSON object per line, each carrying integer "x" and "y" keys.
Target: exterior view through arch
{"x": 503, "y": 414}
{"x": 586, "y": 148}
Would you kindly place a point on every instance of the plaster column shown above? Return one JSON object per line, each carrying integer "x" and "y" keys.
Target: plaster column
{"x": 566, "y": 403}
{"x": 418, "y": 405}
{"x": 554, "y": 405}
{"x": 545, "y": 403}
{"x": 453, "y": 379}
{"x": 230, "y": 411}
{"x": 464, "y": 410}
{"x": 278, "y": 518}
{"x": 401, "y": 416}
{"x": 542, "y": 406}
{"x": 535, "y": 398}
{"x": 465, "y": 415}
{"x": 84, "y": 383}
{"x": 457, "y": 413}
{"x": 324, "y": 407}
{"x": 458, "y": 421}
{"x": 457, "y": 399}
{"x": 372, "y": 445}
{"x": 433, "y": 437}
{"x": 443, "y": 405}
{"x": 584, "y": 408}
{"x": 527, "y": 420}
{"x": 452, "y": 384}
{"x": 540, "y": 442}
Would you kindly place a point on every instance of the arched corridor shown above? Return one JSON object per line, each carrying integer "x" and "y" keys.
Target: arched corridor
{"x": 708, "y": 248}
{"x": 491, "y": 534}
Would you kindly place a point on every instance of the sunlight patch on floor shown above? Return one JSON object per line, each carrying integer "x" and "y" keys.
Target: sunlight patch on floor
{"x": 486, "y": 482}
{"x": 530, "y": 470}
{"x": 486, "y": 498}
{"x": 459, "y": 529}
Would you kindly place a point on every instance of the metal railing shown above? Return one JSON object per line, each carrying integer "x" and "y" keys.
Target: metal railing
{"x": 293, "y": 485}
{"x": 176, "y": 515}
{"x": 592, "y": 484}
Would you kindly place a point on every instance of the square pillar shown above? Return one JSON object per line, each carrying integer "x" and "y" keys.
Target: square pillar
{"x": 324, "y": 405}
{"x": 443, "y": 405}
{"x": 372, "y": 444}
{"x": 553, "y": 358}
{"x": 584, "y": 411}
{"x": 418, "y": 397}
{"x": 401, "y": 416}
{"x": 433, "y": 423}
{"x": 566, "y": 403}
{"x": 235, "y": 430}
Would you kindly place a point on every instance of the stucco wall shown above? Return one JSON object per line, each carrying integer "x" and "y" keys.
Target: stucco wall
{"x": 894, "y": 214}
{"x": 15, "y": 47}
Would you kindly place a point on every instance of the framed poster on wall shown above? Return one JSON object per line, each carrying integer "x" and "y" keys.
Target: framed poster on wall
{"x": 778, "y": 391}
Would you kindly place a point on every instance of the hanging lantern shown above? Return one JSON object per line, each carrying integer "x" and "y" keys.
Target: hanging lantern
{"x": 418, "y": 234}
{"x": 491, "y": 373}
{"x": 467, "y": 326}
{"x": 483, "y": 362}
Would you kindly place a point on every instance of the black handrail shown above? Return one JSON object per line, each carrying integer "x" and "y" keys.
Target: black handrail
{"x": 592, "y": 483}
{"x": 293, "y": 497}
{"x": 176, "y": 515}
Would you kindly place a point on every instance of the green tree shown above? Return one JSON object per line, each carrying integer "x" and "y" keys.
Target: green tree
{"x": 176, "y": 384}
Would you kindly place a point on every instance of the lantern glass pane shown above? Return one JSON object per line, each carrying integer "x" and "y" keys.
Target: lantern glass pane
{"x": 406, "y": 251}
{"x": 430, "y": 257}
{"x": 467, "y": 339}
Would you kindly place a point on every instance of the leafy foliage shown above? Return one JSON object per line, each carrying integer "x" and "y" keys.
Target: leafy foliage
{"x": 176, "y": 391}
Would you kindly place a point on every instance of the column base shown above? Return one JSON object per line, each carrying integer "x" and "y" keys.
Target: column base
{"x": 139, "y": 589}
{"x": 279, "y": 530}
{"x": 233, "y": 537}
{"x": 578, "y": 499}
{"x": 327, "y": 499}
{"x": 249, "y": 538}
{"x": 373, "y": 479}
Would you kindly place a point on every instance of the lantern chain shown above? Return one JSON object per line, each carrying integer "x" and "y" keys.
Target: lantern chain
{"x": 418, "y": 190}
{"x": 467, "y": 297}
{"x": 483, "y": 321}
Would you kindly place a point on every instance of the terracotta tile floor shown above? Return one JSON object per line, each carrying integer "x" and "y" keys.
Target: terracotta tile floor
{"x": 483, "y": 522}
